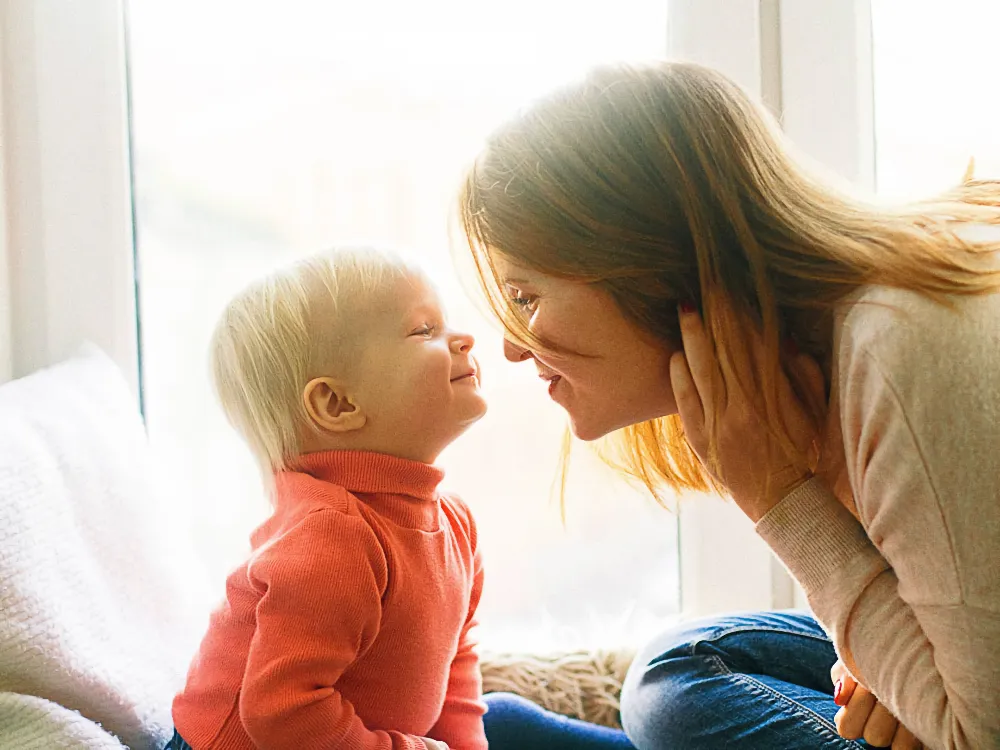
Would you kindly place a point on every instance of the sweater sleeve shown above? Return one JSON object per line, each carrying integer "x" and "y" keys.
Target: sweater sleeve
{"x": 321, "y": 584}
{"x": 460, "y": 724}
{"x": 913, "y": 614}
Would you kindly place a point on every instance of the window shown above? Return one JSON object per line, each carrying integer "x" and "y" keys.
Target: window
{"x": 245, "y": 129}
{"x": 935, "y": 94}
{"x": 262, "y": 135}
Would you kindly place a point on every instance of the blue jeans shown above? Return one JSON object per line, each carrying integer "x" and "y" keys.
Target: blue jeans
{"x": 751, "y": 681}
{"x": 515, "y": 723}
{"x": 177, "y": 743}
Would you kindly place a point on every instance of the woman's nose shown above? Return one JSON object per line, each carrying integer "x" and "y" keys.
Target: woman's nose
{"x": 462, "y": 343}
{"x": 514, "y": 352}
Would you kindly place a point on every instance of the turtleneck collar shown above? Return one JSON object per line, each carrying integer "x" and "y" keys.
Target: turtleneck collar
{"x": 404, "y": 491}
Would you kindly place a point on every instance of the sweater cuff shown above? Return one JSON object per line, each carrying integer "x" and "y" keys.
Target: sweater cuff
{"x": 823, "y": 546}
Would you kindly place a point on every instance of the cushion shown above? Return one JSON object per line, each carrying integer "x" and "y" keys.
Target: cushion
{"x": 30, "y": 722}
{"x": 584, "y": 685}
{"x": 99, "y": 617}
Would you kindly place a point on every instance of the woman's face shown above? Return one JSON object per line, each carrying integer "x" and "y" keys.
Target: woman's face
{"x": 612, "y": 375}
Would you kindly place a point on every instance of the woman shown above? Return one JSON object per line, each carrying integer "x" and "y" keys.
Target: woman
{"x": 655, "y": 251}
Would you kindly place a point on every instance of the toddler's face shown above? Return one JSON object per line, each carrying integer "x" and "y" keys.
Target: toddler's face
{"x": 418, "y": 382}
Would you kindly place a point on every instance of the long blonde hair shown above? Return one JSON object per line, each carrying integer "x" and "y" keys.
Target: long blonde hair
{"x": 666, "y": 183}
{"x": 266, "y": 346}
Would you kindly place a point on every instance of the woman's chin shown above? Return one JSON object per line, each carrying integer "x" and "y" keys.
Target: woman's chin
{"x": 592, "y": 429}
{"x": 588, "y": 432}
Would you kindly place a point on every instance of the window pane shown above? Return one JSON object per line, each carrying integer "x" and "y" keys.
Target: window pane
{"x": 262, "y": 135}
{"x": 936, "y": 102}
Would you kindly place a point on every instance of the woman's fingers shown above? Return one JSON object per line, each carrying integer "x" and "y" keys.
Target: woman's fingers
{"x": 905, "y": 740}
{"x": 880, "y": 727}
{"x": 851, "y": 719}
{"x": 688, "y": 401}
{"x": 862, "y": 716}
{"x": 748, "y": 460}
{"x": 838, "y": 670}
{"x": 702, "y": 362}
{"x": 743, "y": 355}
{"x": 847, "y": 687}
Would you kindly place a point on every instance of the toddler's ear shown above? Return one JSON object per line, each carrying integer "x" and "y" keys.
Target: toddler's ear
{"x": 330, "y": 407}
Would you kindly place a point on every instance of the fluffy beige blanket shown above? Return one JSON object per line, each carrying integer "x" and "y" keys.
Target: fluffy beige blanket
{"x": 583, "y": 684}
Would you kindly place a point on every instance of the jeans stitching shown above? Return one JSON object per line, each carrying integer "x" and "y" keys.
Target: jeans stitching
{"x": 804, "y": 712}
{"x": 721, "y": 665}
{"x": 758, "y": 629}
{"x": 820, "y": 724}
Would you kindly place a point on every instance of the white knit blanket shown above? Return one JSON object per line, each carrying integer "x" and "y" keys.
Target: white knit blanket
{"x": 97, "y": 621}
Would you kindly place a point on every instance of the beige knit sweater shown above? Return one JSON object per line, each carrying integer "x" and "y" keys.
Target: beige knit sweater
{"x": 911, "y": 594}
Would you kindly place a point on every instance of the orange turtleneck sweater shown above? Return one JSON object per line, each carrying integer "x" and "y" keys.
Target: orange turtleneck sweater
{"x": 348, "y": 627}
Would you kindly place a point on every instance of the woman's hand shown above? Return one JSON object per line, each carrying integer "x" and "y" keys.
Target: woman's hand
{"x": 751, "y": 463}
{"x": 862, "y": 717}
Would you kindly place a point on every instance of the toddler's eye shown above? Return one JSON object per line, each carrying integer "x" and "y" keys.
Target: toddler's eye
{"x": 424, "y": 330}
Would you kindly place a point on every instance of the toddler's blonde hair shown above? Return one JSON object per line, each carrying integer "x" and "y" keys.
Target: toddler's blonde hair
{"x": 265, "y": 347}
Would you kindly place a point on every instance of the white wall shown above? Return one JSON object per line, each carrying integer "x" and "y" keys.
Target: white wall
{"x": 66, "y": 187}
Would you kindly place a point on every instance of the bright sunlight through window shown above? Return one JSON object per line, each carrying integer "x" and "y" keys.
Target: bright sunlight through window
{"x": 264, "y": 132}
{"x": 936, "y": 102}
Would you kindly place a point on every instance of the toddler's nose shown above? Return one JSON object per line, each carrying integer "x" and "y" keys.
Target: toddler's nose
{"x": 462, "y": 343}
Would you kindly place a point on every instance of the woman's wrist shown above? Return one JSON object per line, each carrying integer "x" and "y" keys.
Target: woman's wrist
{"x": 780, "y": 486}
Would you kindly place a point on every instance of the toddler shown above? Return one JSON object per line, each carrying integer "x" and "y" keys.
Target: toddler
{"x": 349, "y": 625}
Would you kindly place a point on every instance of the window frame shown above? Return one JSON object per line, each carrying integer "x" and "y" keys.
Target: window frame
{"x": 67, "y": 203}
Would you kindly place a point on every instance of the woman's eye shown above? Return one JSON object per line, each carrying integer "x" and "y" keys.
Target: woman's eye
{"x": 522, "y": 301}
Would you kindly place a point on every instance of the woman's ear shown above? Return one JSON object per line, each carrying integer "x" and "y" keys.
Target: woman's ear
{"x": 330, "y": 407}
